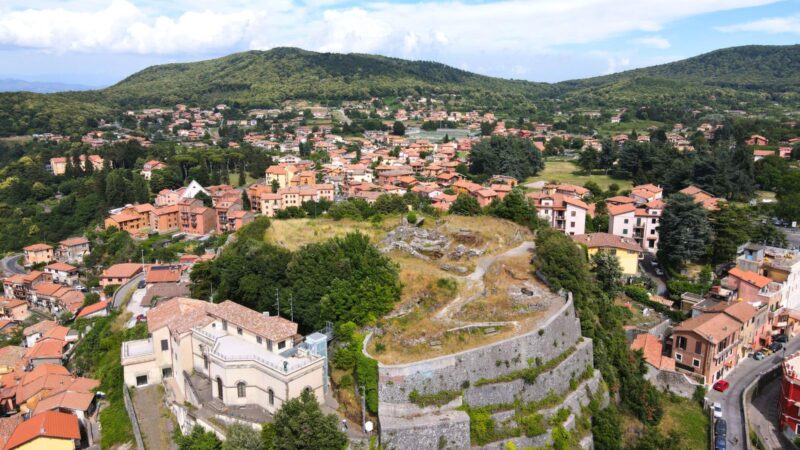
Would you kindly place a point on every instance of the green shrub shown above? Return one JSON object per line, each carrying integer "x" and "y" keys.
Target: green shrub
{"x": 438, "y": 399}
{"x": 532, "y": 425}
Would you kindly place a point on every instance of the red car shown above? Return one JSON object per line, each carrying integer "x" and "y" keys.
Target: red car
{"x": 721, "y": 385}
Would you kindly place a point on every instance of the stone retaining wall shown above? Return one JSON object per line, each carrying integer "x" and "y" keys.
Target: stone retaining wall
{"x": 460, "y": 370}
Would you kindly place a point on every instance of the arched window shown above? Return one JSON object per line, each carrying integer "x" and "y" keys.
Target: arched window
{"x": 219, "y": 388}
{"x": 241, "y": 389}
{"x": 271, "y": 394}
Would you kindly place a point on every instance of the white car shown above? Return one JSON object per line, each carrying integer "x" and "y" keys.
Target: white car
{"x": 717, "y": 410}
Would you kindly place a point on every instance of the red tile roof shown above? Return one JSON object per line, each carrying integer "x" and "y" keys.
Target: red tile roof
{"x": 124, "y": 270}
{"x": 606, "y": 240}
{"x": 49, "y": 424}
{"x": 753, "y": 278}
{"x": 273, "y": 328}
{"x": 37, "y": 247}
{"x": 99, "y": 306}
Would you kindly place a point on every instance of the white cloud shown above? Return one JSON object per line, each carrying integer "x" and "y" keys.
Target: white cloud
{"x": 774, "y": 25}
{"x": 654, "y": 42}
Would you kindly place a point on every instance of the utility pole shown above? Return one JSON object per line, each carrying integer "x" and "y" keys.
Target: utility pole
{"x": 278, "y": 302}
{"x": 291, "y": 306}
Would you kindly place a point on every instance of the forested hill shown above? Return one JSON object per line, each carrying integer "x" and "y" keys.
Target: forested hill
{"x": 752, "y": 77}
{"x": 267, "y": 78}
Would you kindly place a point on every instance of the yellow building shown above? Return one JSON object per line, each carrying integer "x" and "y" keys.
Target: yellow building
{"x": 627, "y": 251}
{"x": 49, "y": 430}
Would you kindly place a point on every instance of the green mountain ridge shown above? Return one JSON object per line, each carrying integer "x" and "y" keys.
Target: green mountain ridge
{"x": 758, "y": 77}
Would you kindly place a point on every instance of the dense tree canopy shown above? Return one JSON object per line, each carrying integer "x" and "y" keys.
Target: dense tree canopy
{"x": 299, "y": 424}
{"x": 501, "y": 155}
{"x": 683, "y": 232}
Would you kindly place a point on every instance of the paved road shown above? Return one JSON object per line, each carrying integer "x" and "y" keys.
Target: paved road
{"x": 123, "y": 290}
{"x": 740, "y": 378}
{"x": 763, "y": 415}
{"x": 135, "y": 306}
{"x": 10, "y": 264}
{"x": 647, "y": 268}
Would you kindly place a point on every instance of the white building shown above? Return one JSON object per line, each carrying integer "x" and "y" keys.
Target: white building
{"x": 240, "y": 356}
{"x": 564, "y": 213}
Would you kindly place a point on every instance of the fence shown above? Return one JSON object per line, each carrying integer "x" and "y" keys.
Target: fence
{"x": 747, "y": 396}
{"x": 137, "y": 433}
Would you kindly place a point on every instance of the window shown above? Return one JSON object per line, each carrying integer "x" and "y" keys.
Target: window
{"x": 258, "y": 339}
{"x": 271, "y": 395}
{"x": 698, "y": 347}
{"x": 695, "y": 362}
{"x": 281, "y": 345}
{"x": 164, "y": 345}
{"x": 625, "y": 221}
{"x": 269, "y": 345}
{"x": 219, "y": 388}
{"x": 239, "y": 330}
{"x": 624, "y": 231}
{"x": 680, "y": 342}
{"x": 225, "y": 325}
{"x": 241, "y": 389}
{"x": 141, "y": 380}
{"x": 572, "y": 213}
{"x": 678, "y": 357}
{"x": 651, "y": 243}
{"x": 205, "y": 361}
{"x": 572, "y": 224}
{"x": 166, "y": 372}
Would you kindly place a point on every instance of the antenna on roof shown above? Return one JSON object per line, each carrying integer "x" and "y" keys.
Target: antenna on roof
{"x": 278, "y": 301}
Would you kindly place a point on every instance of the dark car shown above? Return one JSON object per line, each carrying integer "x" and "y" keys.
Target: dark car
{"x": 720, "y": 428}
{"x": 782, "y": 338}
{"x": 775, "y": 346}
{"x": 142, "y": 284}
{"x": 719, "y": 443}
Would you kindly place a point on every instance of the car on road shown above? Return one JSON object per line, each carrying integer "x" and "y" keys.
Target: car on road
{"x": 719, "y": 443}
{"x": 721, "y": 386}
{"x": 717, "y": 410}
{"x": 141, "y": 318}
{"x": 758, "y": 356}
{"x": 720, "y": 428}
{"x": 782, "y": 338}
{"x": 142, "y": 284}
{"x": 775, "y": 346}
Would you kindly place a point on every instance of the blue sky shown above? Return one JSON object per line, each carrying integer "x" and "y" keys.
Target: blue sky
{"x": 99, "y": 42}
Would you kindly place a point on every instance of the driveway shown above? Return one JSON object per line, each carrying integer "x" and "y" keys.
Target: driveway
{"x": 135, "y": 306}
{"x": 744, "y": 374}
{"x": 10, "y": 264}
{"x": 123, "y": 290}
{"x": 154, "y": 420}
{"x": 647, "y": 269}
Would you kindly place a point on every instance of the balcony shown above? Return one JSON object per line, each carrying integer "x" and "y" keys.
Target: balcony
{"x": 136, "y": 352}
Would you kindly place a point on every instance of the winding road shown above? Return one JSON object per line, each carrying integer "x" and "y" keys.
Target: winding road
{"x": 10, "y": 264}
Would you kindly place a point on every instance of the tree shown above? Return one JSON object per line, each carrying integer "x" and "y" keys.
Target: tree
{"x": 684, "y": 231}
{"x": 198, "y": 439}
{"x": 117, "y": 189}
{"x": 242, "y": 437}
{"x": 730, "y": 226}
{"x": 300, "y": 425}
{"x": 140, "y": 191}
{"x": 398, "y": 129}
{"x": 505, "y": 155}
{"x": 517, "y": 208}
{"x": 246, "y": 201}
{"x": 606, "y": 429}
{"x": 608, "y": 272}
{"x": 465, "y": 205}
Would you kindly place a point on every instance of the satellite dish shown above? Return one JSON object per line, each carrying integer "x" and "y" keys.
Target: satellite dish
{"x": 368, "y": 426}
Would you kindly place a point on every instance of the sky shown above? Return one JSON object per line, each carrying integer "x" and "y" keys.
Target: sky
{"x": 100, "y": 42}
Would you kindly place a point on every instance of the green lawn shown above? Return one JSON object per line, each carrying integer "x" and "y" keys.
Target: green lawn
{"x": 641, "y": 126}
{"x": 686, "y": 418}
{"x": 563, "y": 171}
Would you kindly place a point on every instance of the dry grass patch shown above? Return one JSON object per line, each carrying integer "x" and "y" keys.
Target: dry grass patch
{"x": 295, "y": 233}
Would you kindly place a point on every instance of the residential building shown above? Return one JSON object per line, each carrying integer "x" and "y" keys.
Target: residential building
{"x": 789, "y": 397}
{"x": 119, "y": 274}
{"x": 196, "y": 219}
{"x": 706, "y": 346}
{"x": 33, "y": 333}
{"x": 779, "y": 265}
{"x": 564, "y": 213}
{"x": 243, "y": 357}
{"x": 708, "y": 201}
{"x": 62, "y": 273}
{"x": 21, "y": 286}
{"x": 14, "y": 309}
{"x": 50, "y": 430}
{"x": 72, "y": 250}
{"x": 38, "y": 254}
{"x": 638, "y": 221}
{"x": 99, "y": 309}
{"x": 58, "y": 165}
{"x": 281, "y": 174}
{"x": 164, "y": 219}
{"x": 150, "y": 166}
{"x": 294, "y": 196}
{"x": 626, "y": 250}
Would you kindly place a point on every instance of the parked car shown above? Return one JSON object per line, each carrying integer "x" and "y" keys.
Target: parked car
{"x": 142, "y": 284}
{"x": 720, "y": 428}
{"x": 719, "y": 443}
{"x": 141, "y": 318}
{"x": 781, "y": 338}
{"x": 721, "y": 386}
{"x": 654, "y": 263}
{"x": 758, "y": 356}
{"x": 775, "y": 346}
{"x": 767, "y": 351}
{"x": 659, "y": 272}
{"x": 717, "y": 410}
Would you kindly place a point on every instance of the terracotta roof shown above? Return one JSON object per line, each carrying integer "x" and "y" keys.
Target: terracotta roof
{"x": 124, "y": 270}
{"x": 273, "y": 328}
{"x": 11, "y": 355}
{"x": 163, "y": 274}
{"x": 7, "y": 426}
{"x": 40, "y": 327}
{"x": 51, "y": 424}
{"x": 37, "y": 247}
{"x": 61, "y": 267}
{"x": 78, "y": 401}
{"x": 606, "y": 240}
{"x": 179, "y": 314}
{"x": 652, "y": 349}
{"x": 47, "y": 348}
{"x": 753, "y": 278}
{"x": 712, "y": 327}
{"x": 620, "y": 199}
{"x": 741, "y": 311}
{"x": 42, "y": 371}
{"x": 615, "y": 210}
{"x": 53, "y": 383}
{"x": 93, "y": 308}
{"x": 74, "y": 241}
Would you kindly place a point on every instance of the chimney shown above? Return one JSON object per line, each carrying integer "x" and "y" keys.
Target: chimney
{"x": 265, "y": 313}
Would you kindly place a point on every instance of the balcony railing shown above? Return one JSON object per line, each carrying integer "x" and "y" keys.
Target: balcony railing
{"x": 138, "y": 351}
